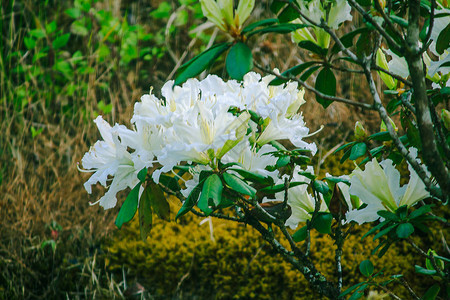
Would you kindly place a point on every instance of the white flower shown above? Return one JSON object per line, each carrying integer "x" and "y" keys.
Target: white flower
{"x": 301, "y": 203}
{"x": 109, "y": 158}
{"x": 220, "y": 13}
{"x": 379, "y": 187}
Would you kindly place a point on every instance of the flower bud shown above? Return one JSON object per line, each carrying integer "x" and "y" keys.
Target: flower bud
{"x": 384, "y": 128}
{"x": 445, "y": 116}
{"x": 360, "y": 132}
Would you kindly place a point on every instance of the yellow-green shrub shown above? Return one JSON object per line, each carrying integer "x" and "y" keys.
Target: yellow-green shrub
{"x": 238, "y": 263}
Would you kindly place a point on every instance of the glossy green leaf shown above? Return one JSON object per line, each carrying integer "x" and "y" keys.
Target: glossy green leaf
{"x": 283, "y": 161}
{"x": 292, "y": 72}
{"x": 388, "y": 215}
{"x": 380, "y": 136}
{"x": 61, "y": 41}
{"x": 420, "y": 211}
{"x": 288, "y": 14}
{"x": 309, "y": 72}
{"x": 384, "y": 231}
{"x": 322, "y": 222}
{"x": 211, "y": 194}
{"x": 443, "y": 40}
{"x": 145, "y": 213}
{"x": 251, "y": 176}
{"x": 366, "y": 268}
{"x": 308, "y": 45}
{"x": 374, "y": 229}
{"x": 398, "y": 20}
{"x": 280, "y": 187}
{"x": 343, "y": 147}
{"x": 404, "y": 230}
{"x": 239, "y": 185}
{"x": 279, "y": 28}
{"x": 358, "y": 150}
{"x": 326, "y": 84}
{"x": 239, "y": 61}
{"x": 199, "y": 63}
{"x": 261, "y": 23}
{"x": 300, "y": 235}
{"x": 321, "y": 187}
{"x": 129, "y": 207}
{"x": 345, "y": 156}
{"x": 142, "y": 174}
{"x": 350, "y": 289}
{"x": 191, "y": 200}
{"x": 424, "y": 271}
{"x": 170, "y": 182}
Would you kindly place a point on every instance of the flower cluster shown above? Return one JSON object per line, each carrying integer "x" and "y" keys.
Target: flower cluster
{"x": 201, "y": 122}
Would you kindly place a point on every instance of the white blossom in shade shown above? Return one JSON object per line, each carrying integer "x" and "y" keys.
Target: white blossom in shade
{"x": 301, "y": 203}
{"x": 253, "y": 160}
{"x": 379, "y": 187}
{"x": 109, "y": 158}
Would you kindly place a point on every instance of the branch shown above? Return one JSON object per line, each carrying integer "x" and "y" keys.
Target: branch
{"x": 420, "y": 170}
{"x": 413, "y": 57}
{"x": 399, "y": 78}
{"x": 310, "y": 88}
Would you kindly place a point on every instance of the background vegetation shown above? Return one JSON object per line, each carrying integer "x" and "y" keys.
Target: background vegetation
{"x": 62, "y": 63}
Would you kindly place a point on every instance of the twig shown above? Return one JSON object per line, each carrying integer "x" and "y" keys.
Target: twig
{"x": 399, "y": 78}
{"x": 420, "y": 170}
{"x": 310, "y": 88}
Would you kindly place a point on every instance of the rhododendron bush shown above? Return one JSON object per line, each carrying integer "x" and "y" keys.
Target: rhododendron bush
{"x": 235, "y": 148}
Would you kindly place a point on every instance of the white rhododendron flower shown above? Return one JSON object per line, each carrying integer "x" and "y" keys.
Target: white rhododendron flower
{"x": 109, "y": 158}
{"x": 301, "y": 202}
{"x": 202, "y": 123}
{"x": 379, "y": 187}
{"x": 338, "y": 13}
{"x": 220, "y": 13}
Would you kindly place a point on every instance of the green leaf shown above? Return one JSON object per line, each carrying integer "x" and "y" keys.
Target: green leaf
{"x": 261, "y": 23}
{"x": 398, "y": 20}
{"x": 424, "y": 271}
{"x": 191, "y": 200}
{"x": 239, "y": 61}
{"x": 145, "y": 213}
{"x": 199, "y": 63}
{"x": 358, "y": 150}
{"x": 322, "y": 222}
{"x": 380, "y": 136}
{"x": 337, "y": 180}
{"x": 350, "y": 289}
{"x": 321, "y": 187}
{"x": 384, "y": 231}
{"x": 366, "y": 268}
{"x": 61, "y": 41}
{"x": 283, "y": 161}
{"x": 211, "y": 194}
{"x": 280, "y": 187}
{"x": 388, "y": 215}
{"x": 74, "y": 13}
{"x": 239, "y": 185}
{"x": 374, "y": 229}
{"x": 79, "y": 27}
{"x": 326, "y": 84}
{"x": 359, "y": 292}
{"x": 279, "y": 28}
{"x": 345, "y": 146}
{"x": 29, "y": 42}
{"x": 254, "y": 177}
{"x": 308, "y": 45}
{"x": 432, "y": 292}
{"x": 404, "y": 230}
{"x": 443, "y": 40}
{"x": 292, "y": 72}
{"x": 170, "y": 182}
{"x": 158, "y": 201}
{"x": 288, "y": 14}
{"x": 301, "y": 234}
{"x": 276, "y": 6}
{"x": 129, "y": 207}
{"x": 308, "y": 73}
{"x": 37, "y": 33}
{"x": 347, "y": 39}
{"x": 345, "y": 156}
{"x": 142, "y": 174}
